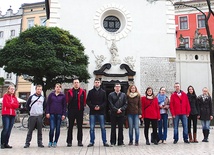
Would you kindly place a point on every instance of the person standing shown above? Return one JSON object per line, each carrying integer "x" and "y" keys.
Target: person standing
{"x": 96, "y": 100}
{"x": 205, "y": 112}
{"x": 133, "y": 112}
{"x": 76, "y": 100}
{"x": 180, "y": 110}
{"x": 56, "y": 112}
{"x": 35, "y": 105}
{"x": 193, "y": 114}
{"x": 150, "y": 113}
{"x": 9, "y": 106}
{"x": 163, "y": 102}
{"x": 118, "y": 105}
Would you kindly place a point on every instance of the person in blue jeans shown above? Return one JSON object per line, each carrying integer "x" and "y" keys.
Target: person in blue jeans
{"x": 180, "y": 110}
{"x": 133, "y": 112}
{"x": 9, "y": 105}
{"x": 56, "y": 112}
{"x": 96, "y": 100}
{"x": 163, "y": 102}
{"x": 205, "y": 112}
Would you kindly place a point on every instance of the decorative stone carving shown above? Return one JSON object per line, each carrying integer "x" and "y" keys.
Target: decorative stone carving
{"x": 99, "y": 60}
{"x": 114, "y": 54}
{"x": 130, "y": 61}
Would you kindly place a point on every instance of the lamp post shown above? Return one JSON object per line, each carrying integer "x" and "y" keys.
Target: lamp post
{"x": 44, "y": 85}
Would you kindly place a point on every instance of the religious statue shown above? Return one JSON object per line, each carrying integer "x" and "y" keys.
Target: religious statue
{"x": 114, "y": 54}
{"x": 99, "y": 60}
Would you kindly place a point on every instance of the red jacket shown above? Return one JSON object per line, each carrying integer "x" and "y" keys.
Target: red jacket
{"x": 179, "y": 105}
{"x": 150, "y": 108}
{"x": 9, "y": 104}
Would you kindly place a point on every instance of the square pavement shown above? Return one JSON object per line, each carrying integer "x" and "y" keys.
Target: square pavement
{"x": 18, "y": 135}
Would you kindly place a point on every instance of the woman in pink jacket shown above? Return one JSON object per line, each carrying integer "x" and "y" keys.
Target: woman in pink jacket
{"x": 9, "y": 104}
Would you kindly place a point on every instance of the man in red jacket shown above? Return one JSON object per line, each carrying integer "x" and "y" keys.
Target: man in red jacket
{"x": 180, "y": 110}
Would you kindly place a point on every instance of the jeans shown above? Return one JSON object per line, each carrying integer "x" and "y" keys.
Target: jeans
{"x": 55, "y": 122}
{"x": 133, "y": 123}
{"x": 205, "y": 124}
{"x": 8, "y": 121}
{"x": 183, "y": 119}
{"x": 92, "y": 121}
{"x": 162, "y": 127}
{"x": 114, "y": 121}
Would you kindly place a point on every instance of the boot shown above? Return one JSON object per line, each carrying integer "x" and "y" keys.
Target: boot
{"x": 204, "y": 140}
{"x": 190, "y": 138}
{"x": 194, "y": 137}
{"x": 207, "y": 134}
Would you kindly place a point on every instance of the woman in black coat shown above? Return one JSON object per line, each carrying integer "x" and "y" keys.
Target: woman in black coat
{"x": 205, "y": 112}
{"x": 193, "y": 114}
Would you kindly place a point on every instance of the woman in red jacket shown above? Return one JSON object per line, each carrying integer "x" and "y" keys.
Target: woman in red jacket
{"x": 9, "y": 104}
{"x": 150, "y": 113}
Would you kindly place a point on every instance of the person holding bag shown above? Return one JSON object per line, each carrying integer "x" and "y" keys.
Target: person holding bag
{"x": 150, "y": 114}
{"x": 134, "y": 112}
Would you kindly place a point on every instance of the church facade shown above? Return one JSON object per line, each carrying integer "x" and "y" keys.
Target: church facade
{"x": 127, "y": 42}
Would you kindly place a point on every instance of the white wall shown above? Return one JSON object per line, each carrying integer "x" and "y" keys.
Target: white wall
{"x": 149, "y": 35}
{"x": 193, "y": 72}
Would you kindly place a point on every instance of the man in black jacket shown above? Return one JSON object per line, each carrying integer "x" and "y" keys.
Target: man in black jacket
{"x": 76, "y": 100}
{"x": 96, "y": 100}
{"x": 118, "y": 105}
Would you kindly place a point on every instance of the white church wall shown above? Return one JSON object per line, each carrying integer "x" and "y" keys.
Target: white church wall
{"x": 149, "y": 33}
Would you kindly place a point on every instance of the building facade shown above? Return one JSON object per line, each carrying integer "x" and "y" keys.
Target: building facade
{"x": 192, "y": 55}
{"x": 10, "y": 26}
{"x": 126, "y": 42}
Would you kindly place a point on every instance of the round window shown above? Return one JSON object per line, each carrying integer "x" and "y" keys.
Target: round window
{"x": 111, "y": 23}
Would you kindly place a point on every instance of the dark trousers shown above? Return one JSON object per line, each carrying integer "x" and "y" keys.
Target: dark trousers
{"x": 117, "y": 120}
{"x": 192, "y": 118}
{"x": 72, "y": 116}
{"x": 34, "y": 122}
{"x": 8, "y": 122}
{"x": 154, "y": 128}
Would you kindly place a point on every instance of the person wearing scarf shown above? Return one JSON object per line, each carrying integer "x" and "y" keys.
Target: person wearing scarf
{"x": 150, "y": 114}
{"x": 133, "y": 112}
{"x": 205, "y": 112}
{"x": 163, "y": 102}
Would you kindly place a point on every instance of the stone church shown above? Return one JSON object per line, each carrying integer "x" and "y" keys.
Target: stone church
{"x": 126, "y": 41}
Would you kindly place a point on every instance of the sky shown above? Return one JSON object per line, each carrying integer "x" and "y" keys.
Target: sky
{"x": 15, "y": 4}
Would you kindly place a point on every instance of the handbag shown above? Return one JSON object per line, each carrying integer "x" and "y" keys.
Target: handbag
{"x": 126, "y": 123}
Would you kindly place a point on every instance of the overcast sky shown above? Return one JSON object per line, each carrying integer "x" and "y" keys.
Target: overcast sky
{"x": 15, "y": 4}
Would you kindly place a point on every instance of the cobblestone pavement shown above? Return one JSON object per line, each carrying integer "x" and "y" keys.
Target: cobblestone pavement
{"x": 18, "y": 136}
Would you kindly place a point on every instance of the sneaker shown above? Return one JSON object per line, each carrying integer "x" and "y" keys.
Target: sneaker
{"x": 90, "y": 145}
{"x": 54, "y": 144}
{"x": 130, "y": 143}
{"x": 106, "y": 145}
{"x": 136, "y": 143}
{"x": 49, "y": 144}
{"x": 164, "y": 142}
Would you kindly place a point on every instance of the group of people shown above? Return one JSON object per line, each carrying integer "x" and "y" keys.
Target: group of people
{"x": 150, "y": 108}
